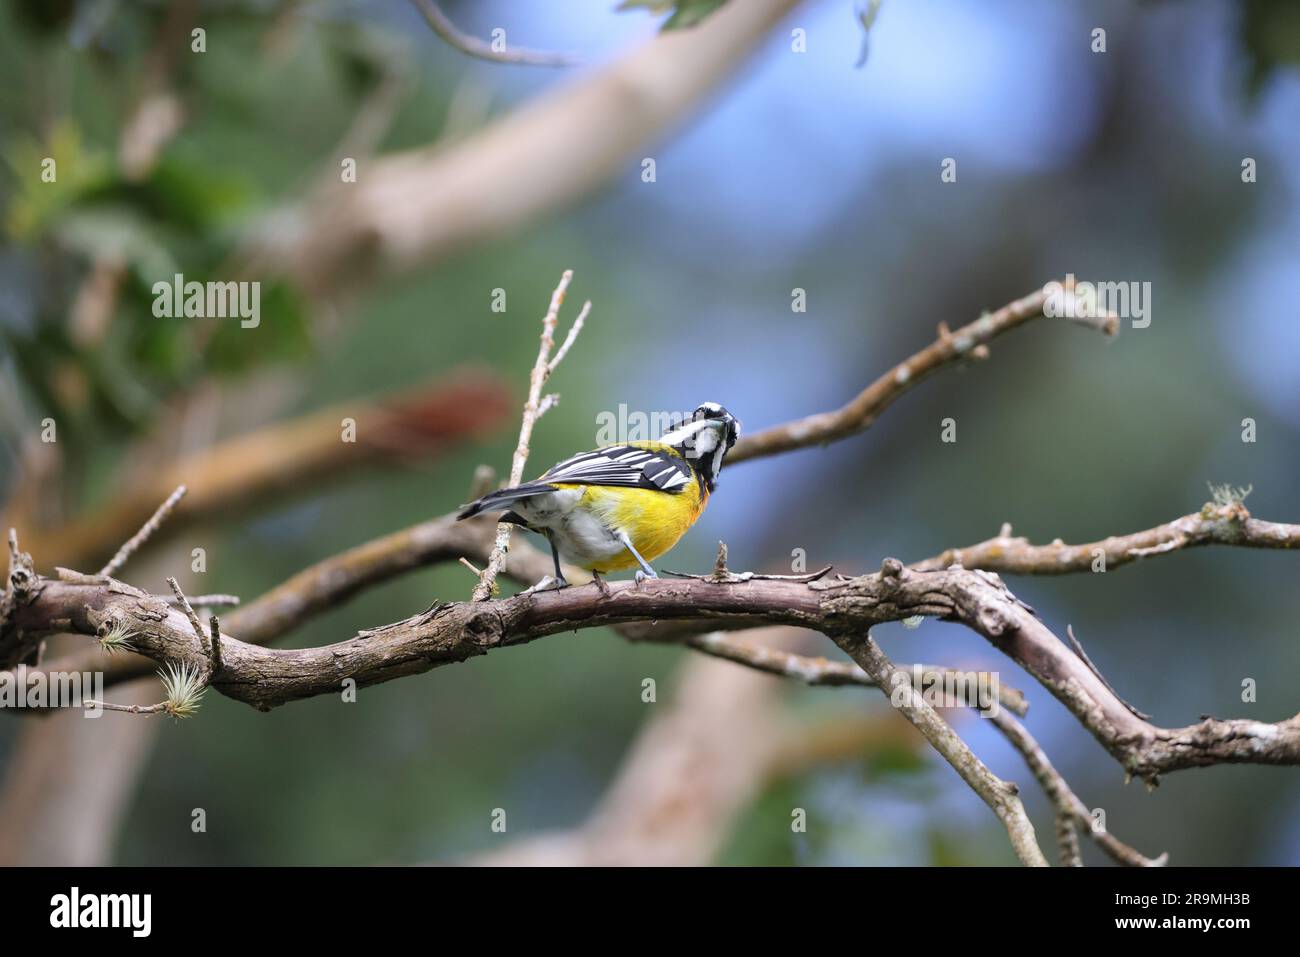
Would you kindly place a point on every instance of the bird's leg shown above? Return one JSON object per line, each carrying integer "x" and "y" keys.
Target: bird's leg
{"x": 645, "y": 571}
{"x": 600, "y": 583}
{"x": 560, "y": 580}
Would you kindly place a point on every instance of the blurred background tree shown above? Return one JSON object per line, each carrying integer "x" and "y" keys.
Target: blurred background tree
{"x": 798, "y": 171}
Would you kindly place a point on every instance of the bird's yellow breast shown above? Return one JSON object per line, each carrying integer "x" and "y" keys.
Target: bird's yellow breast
{"x": 653, "y": 520}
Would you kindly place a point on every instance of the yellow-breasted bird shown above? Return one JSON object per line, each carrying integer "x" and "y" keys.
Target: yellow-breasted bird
{"x": 622, "y": 506}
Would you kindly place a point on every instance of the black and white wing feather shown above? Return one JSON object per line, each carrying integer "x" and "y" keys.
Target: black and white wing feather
{"x": 662, "y": 470}
{"x": 627, "y": 466}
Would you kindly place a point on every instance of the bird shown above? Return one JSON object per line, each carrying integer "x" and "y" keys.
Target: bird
{"x": 620, "y": 507}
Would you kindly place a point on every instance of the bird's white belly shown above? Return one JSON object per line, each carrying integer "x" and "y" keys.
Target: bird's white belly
{"x": 580, "y": 536}
{"x": 583, "y": 539}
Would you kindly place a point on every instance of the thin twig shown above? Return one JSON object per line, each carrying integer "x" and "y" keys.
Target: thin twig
{"x": 951, "y": 348}
{"x": 473, "y": 46}
{"x": 821, "y": 672}
{"x": 79, "y": 578}
{"x": 1067, "y": 839}
{"x": 948, "y": 350}
{"x": 214, "y": 628}
{"x": 205, "y": 601}
{"x": 22, "y": 571}
{"x": 563, "y": 351}
{"x": 139, "y": 538}
{"x": 185, "y": 687}
{"x": 866, "y": 13}
{"x": 1214, "y": 524}
{"x": 189, "y": 613}
{"x": 549, "y": 402}
{"x": 542, "y": 370}
{"x": 1066, "y": 803}
{"x": 159, "y": 708}
{"x": 1001, "y": 796}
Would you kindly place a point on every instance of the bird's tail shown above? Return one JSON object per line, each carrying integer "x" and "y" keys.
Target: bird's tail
{"x": 503, "y": 498}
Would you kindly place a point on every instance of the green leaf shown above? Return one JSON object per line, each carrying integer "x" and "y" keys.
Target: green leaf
{"x": 1270, "y": 36}
{"x": 685, "y": 13}
{"x": 198, "y": 197}
{"x": 78, "y": 171}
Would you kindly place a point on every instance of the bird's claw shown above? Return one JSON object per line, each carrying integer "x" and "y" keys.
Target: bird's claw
{"x": 548, "y": 583}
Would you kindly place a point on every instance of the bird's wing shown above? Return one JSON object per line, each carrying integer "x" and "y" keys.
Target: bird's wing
{"x": 624, "y": 465}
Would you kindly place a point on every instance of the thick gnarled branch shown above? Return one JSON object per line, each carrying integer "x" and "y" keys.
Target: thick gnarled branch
{"x": 449, "y": 633}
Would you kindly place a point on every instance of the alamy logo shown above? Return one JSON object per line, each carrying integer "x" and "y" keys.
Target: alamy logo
{"x": 1091, "y": 300}
{"x": 134, "y": 911}
{"x": 35, "y": 688}
{"x": 208, "y": 300}
{"x": 618, "y": 428}
{"x": 947, "y": 689}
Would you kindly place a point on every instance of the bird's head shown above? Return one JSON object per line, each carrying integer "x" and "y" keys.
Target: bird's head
{"x": 705, "y": 438}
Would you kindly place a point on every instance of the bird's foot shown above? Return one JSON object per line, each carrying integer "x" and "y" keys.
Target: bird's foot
{"x": 547, "y": 583}
{"x": 643, "y": 575}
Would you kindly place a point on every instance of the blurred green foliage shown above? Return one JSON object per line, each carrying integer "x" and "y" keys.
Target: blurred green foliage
{"x": 1270, "y": 36}
{"x": 685, "y": 13}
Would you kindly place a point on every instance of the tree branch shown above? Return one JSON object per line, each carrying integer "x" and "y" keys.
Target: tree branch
{"x": 1001, "y": 796}
{"x": 335, "y": 580}
{"x": 1070, "y": 810}
{"x": 132, "y": 545}
{"x": 701, "y": 758}
{"x": 420, "y": 206}
{"x": 1214, "y": 524}
{"x": 819, "y": 672}
{"x": 542, "y": 370}
{"x": 968, "y": 342}
{"x": 253, "y": 467}
{"x": 842, "y": 608}
{"x": 473, "y": 46}
{"x": 448, "y": 633}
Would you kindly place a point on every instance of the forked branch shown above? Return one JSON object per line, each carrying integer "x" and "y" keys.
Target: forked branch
{"x": 533, "y": 409}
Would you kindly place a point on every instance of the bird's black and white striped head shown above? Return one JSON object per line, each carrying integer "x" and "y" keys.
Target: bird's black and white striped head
{"x": 704, "y": 439}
